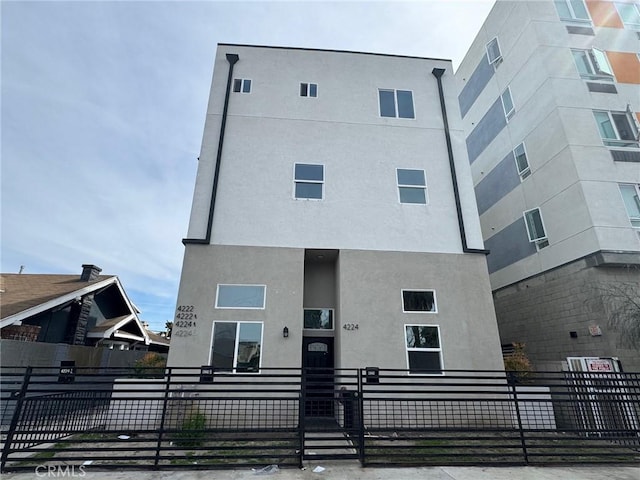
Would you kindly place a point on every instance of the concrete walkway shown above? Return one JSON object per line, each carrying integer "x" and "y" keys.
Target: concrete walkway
{"x": 351, "y": 471}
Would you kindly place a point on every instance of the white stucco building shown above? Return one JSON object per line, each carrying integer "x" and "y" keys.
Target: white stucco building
{"x": 334, "y": 221}
{"x": 549, "y": 96}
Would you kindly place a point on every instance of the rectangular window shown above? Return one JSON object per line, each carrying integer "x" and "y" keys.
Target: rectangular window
{"x": 412, "y": 186}
{"x": 308, "y": 181}
{"x": 424, "y": 350}
{"x": 535, "y": 228}
{"x": 236, "y": 346}
{"x": 617, "y": 129}
{"x": 318, "y": 318}
{"x": 507, "y": 104}
{"x": 242, "y": 85}
{"x": 396, "y": 103}
{"x": 522, "y": 162}
{"x": 241, "y": 296}
{"x": 493, "y": 52}
{"x": 309, "y": 90}
{"x": 631, "y": 197}
{"x": 630, "y": 14}
{"x": 593, "y": 64}
{"x": 419, "y": 301}
{"x": 572, "y": 11}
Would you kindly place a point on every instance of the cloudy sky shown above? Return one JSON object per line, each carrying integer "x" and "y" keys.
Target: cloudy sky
{"x": 103, "y": 107}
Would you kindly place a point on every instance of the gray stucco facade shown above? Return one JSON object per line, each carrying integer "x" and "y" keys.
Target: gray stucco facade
{"x": 326, "y": 229}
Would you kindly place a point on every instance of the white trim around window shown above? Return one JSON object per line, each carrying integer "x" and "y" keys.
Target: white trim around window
{"x": 233, "y": 296}
{"x": 308, "y": 181}
{"x": 394, "y": 103}
{"x": 309, "y": 90}
{"x": 241, "y": 85}
{"x": 424, "y": 351}
{"x": 494, "y": 54}
{"x": 522, "y": 161}
{"x": 593, "y": 64}
{"x": 412, "y": 186}
{"x": 631, "y": 198}
{"x": 237, "y": 346}
{"x": 573, "y": 11}
{"x": 508, "y": 107}
{"x": 629, "y": 14}
{"x": 326, "y": 319}
{"x": 535, "y": 228}
{"x": 415, "y": 300}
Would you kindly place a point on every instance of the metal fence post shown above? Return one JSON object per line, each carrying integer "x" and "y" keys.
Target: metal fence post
{"x": 14, "y": 419}
{"x": 163, "y": 416}
{"x": 301, "y": 417}
{"x": 512, "y": 379}
{"x": 360, "y": 416}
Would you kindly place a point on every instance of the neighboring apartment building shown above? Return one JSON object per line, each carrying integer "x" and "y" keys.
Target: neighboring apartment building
{"x": 328, "y": 228}
{"x": 549, "y": 95}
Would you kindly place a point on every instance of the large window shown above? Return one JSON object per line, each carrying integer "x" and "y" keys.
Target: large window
{"x": 520, "y": 154}
{"x": 630, "y": 14}
{"x": 309, "y": 90}
{"x": 631, "y": 197}
{"x": 507, "y": 104}
{"x": 493, "y": 52}
{"x": 236, "y": 346}
{"x": 535, "y": 228}
{"x": 617, "y": 129}
{"x": 396, "y": 103}
{"x": 242, "y": 85}
{"x": 412, "y": 186}
{"x": 318, "y": 318}
{"x": 593, "y": 64}
{"x": 572, "y": 11}
{"x": 241, "y": 296}
{"x": 419, "y": 301}
{"x": 308, "y": 181}
{"x": 424, "y": 350}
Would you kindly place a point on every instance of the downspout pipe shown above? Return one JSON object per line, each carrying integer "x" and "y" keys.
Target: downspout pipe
{"x": 232, "y": 58}
{"x": 438, "y": 72}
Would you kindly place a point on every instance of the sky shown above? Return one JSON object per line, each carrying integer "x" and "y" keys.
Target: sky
{"x": 102, "y": 113}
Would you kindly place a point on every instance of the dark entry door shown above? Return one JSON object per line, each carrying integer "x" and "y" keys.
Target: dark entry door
{"x": 317, "y": 362}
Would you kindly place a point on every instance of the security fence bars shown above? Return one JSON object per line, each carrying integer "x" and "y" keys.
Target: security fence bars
{"x": 201, "y": 418}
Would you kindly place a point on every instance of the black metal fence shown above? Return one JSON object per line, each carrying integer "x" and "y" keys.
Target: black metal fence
{"x": 198, "y": 418}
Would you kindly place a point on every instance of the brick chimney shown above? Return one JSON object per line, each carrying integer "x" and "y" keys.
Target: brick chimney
{"x": 89, "y": 272}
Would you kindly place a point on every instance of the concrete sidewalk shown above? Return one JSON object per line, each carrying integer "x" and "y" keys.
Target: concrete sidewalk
{"x": 351, "y": 471}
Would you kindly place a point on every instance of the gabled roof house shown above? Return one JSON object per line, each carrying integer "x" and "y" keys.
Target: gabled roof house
{"x": 90, "y": 309}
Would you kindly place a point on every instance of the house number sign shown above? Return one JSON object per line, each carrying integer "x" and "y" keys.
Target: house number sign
{"x": 350, "y": 326}
{"x": 185, "y": 322}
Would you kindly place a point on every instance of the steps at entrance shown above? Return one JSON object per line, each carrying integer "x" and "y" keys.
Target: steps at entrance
{"x": 323, "y": 445}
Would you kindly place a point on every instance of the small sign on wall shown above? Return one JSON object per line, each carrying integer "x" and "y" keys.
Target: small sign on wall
{"x": 599, "y": 365}
{"x": 595, "y": 331}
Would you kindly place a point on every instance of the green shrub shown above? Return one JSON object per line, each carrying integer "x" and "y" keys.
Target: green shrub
{"x": 151, "y": 365}
{"x": 193, "y": 431}
{"x": 518, "y": 363}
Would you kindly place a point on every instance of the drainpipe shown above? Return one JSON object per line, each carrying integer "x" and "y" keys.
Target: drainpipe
{"x": 438, "y": 72}
{"x": 232, "y": 58}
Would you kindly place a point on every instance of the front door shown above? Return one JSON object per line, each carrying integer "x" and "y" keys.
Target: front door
{"x": 317, "y": 362}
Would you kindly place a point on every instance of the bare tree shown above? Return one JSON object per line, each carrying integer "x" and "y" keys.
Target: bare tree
{"x": 622, "y": 308}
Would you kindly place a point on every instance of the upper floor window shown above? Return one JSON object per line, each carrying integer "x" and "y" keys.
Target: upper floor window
{"x": 507, "y": 104}
{"x": 412, "y": 186}
{"x": 419, "y": 301}
{"x": 308, "y": 181}
{"x": 593, "y": 64}
{"x": 396, "y": 103}
{"x": 630, "y": 14}
{"x": 493, "y": 52}
{"x": 309, "y": 90}
{"x": 573, "y": 11}
{"x": 631, "y": 197}
{"x": 241, "y": 296}
{"x": 237, "y": 346}
{"x": 520, "y": 154}
{"x": 535, "y": 228}
{"x": 242, "y": 85}
{"x": 617, "y": 129}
